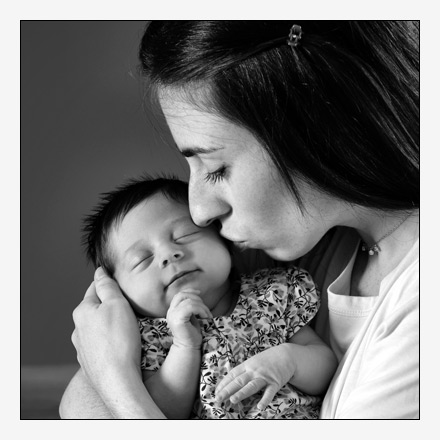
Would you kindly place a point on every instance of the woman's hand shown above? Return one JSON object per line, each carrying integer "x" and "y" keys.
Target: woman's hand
{"x": 106, "y": 335}
{"x": 108, "y": 345}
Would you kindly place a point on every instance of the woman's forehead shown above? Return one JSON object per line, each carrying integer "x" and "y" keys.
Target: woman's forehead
{"x": 200, "y": 131}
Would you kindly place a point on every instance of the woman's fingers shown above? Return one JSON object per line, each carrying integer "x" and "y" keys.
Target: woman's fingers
{"x": 91, "y": 292}
{"x": 90, "y": 300}
{"x": 101, "y": 289}
{"x": 106, "y": 287}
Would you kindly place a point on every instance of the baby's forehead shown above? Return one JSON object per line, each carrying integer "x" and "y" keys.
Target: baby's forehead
{"x": 149, "y": 216}
{"x": 164, "y": 208}
{"x": 159, "y": 206}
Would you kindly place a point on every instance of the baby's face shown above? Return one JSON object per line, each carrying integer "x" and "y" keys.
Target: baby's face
{"x": 159, "y": 251}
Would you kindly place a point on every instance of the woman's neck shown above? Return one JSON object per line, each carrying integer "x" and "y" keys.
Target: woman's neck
{"x": 389, "y": 230}
{"x": 396, "y": 234}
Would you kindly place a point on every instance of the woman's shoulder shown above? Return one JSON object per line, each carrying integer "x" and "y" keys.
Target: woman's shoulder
{"x": 402, "y": 285}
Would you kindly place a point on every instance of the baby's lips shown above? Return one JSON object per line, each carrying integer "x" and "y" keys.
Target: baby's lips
{"x": 190, "y": 290}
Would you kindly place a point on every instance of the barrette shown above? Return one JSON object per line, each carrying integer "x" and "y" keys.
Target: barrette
{"x": 295, "y": 35}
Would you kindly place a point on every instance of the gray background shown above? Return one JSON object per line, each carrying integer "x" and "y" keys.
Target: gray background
{"x": 83, "y": 131}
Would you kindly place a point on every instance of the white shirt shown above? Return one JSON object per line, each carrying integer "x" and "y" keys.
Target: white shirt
{"x": 347, "y": 314}
{"x": 376, "y": 340}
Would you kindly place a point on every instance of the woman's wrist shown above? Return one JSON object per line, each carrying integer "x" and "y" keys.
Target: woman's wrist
{"x": 127, "y": 398}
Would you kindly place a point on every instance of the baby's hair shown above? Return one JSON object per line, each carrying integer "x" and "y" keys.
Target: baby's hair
{"x": 115, "y": 205}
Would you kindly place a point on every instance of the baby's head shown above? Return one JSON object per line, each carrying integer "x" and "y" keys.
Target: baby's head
{"x": 142, "y": 234}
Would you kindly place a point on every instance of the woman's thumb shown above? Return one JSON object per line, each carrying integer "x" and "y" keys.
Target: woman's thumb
{"x": 106, "y": 287}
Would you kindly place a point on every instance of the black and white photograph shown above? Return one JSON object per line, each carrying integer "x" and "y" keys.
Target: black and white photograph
{"x": 220, "y": 220}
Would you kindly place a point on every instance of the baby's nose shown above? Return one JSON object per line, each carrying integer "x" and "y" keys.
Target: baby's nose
{"x": 174, "y": 256}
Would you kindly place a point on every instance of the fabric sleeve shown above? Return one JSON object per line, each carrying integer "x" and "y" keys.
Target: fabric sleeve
{"x": 302, "y": 300}
{"x": 156, "y": 341}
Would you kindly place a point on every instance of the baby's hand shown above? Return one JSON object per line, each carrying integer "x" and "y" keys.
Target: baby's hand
{"x": 182, "y": 321}
{"x": 270, "y": 369}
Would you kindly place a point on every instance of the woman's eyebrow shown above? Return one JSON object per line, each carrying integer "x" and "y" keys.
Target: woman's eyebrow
{"x": 196, "y": 151}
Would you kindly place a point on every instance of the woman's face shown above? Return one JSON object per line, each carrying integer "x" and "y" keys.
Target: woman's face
{"x": 234, "y": 181}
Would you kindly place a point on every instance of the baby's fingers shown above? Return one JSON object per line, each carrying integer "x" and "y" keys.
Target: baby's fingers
{"x": 183, "y": 310}
{"x": 238, "y": 385}
{"x": 269, "y": 394}
{"x": 200, "y": 310}
{"x": 184, "y": 295}
{"x": 237, "y": 394}
{"x": 230, "y": 377}
{"x": 190, "y": 297}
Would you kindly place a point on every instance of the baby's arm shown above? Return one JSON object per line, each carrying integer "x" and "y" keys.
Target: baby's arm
{"x": 174, "y": 386}
{"x": 305, "y": 362}
{"x": 314, "y": 363}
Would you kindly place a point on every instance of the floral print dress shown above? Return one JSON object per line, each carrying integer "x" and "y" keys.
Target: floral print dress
{"x": 273, "y": 304}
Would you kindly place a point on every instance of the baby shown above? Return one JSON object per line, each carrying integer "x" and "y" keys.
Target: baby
{"x": 214, "y": 345}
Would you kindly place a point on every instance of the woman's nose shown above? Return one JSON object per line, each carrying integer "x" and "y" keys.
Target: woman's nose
{"x": 170, "y": 257}
{"x": 205, "y": 206}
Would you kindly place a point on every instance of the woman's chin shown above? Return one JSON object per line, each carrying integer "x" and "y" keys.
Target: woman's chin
{"x": 281, "y": 254}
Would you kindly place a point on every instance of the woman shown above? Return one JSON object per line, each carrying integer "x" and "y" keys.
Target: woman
{"x": 302, "y": 141}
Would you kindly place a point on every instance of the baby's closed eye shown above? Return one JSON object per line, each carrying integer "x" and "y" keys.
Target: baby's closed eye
{"x": 143, "y": 260}
{"x": 186, "y": 236}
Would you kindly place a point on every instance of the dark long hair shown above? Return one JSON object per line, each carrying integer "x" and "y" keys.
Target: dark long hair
{"x": 340, "y": 110}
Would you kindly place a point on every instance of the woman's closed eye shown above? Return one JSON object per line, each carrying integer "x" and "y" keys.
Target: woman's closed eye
{"x": 216, "y": 176}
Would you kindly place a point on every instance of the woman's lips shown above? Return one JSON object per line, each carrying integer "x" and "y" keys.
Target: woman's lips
{"x": 242, "y": 245}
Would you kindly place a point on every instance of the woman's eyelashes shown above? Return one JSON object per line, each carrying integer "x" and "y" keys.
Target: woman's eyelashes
{"x": 216, "y": 176}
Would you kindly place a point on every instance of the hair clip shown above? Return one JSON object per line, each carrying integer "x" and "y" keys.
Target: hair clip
{"x": 295, "y": 35}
